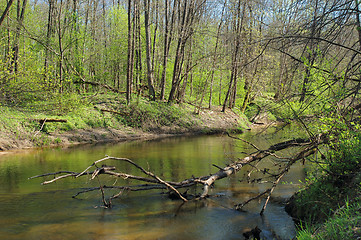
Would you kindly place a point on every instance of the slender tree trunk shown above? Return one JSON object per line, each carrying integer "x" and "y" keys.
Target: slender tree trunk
{"x": 130, "y": 54}
{"x": 238, "y": 30}
{"x": 248, "y": 89}
{"x": 105, "y": 36}
{"x": 138, "y": 48}
{"x": 61, "y": 52}
{"x": 233, "y": 76}
{"x": 150, "y": 72}
{"x": 215, "y": 56}
{"x": 15, "y": 50}
{"x": 6, "y": 11}
{"x": 155, "y": 34}
{"x": 311, "y": 55}
{"x": 358, "y": 20}
{"x": 182, "y": 91}
{"x": 49, "y": 33}
{"x": 179, "y": 53}
{"x": 167, "y": 41}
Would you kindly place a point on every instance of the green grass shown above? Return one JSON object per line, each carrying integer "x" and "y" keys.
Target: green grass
{"x": 335, "y": 181}
{"x": 87, "y": 112}
{"x": 152, "y": 115}
{"x": 344, "y": 224}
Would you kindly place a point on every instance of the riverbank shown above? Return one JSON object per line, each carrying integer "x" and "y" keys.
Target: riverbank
{"x": 20, "y": 128}
{"x": 329, "y": 207}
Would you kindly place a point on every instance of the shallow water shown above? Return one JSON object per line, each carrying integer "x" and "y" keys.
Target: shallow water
{"x": 29, "y": 210}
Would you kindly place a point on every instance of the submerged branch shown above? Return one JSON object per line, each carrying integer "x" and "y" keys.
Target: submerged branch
{"x": 308, "y": 147}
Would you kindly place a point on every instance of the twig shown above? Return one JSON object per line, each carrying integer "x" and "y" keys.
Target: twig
{"x": 245, "y": 141}
{"x": 41, "y": 128}
{"x": 50, "y": 174}
{"x": 241, "y": 205}
{"x": 159, "y": 180}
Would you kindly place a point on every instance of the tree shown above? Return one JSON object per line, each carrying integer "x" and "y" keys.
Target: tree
{"x": 20, "y": 18}
{"x": 130, "y": 52}
{"x": 150, "y": 72}
{"x": 4, "y": 14}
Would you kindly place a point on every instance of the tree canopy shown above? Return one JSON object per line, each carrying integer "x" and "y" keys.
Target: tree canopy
{"x": 250, "y": 55}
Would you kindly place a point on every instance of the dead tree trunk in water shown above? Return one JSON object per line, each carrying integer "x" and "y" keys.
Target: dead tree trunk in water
{"x": 308, "y": 147}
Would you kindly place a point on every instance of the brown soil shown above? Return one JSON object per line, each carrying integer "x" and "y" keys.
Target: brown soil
{"x": 208, "y": 122}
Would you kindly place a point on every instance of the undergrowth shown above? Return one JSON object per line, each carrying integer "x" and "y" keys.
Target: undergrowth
{"x": 101, "y": 110}
{"x": 329, "y": 206}
{"x": 344, "y": 224}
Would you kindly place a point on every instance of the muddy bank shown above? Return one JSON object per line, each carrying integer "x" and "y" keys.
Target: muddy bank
{"x": 207, "y": 122}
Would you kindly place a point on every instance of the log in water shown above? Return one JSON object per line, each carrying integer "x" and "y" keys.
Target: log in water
{"x": 31, "y": 211}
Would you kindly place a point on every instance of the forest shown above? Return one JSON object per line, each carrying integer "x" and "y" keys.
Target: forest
{"x": 234, "y": 54}
{"x": 286, "y": 60}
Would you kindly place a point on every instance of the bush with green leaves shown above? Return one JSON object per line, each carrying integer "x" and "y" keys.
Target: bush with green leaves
{"x": 339, "y": 179}
{"x": 152, "y": 115}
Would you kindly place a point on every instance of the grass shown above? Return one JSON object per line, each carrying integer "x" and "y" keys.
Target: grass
{"x": 330, "y": 205}
{"x": 95, "y": 111}
{"x": 344, "y": 224}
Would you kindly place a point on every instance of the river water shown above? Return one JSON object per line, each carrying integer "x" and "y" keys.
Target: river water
{"x": 29, "y": 210}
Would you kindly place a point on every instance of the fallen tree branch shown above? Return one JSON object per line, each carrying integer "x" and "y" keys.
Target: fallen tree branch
{"x": 103, "y": 85}
{"x": 158, "y": 180}
{"x": 236, "y": 166}
{"x": 309, "y": 146}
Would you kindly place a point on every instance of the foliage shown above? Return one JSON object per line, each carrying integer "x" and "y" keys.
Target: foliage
{"x": 153, "y": 115}
{"x": 335, "y": 177}
{"x": 344, "y": 224}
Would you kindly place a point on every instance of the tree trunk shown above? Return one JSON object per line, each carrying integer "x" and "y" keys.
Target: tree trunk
{"x": 238, "y": 30}
{"x": 61, "y": 52}
{"x": 358, "y": 20}
{"x": 215, "y": 56}
{"x": 167, "y": 40}
{"x": 15, "y": 50}
{"x": 184, "y": 33}
{"x": 138, "y": 48}
{"x": 311, "y": 55}
{"x": 49, "y": 32}
{"x": 130, "y": 54}
{"x": 6, "y": 11}
{"x": 150, "y": 73}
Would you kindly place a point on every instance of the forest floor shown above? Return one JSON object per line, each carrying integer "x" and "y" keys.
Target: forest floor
{"x": 19, "y": 129}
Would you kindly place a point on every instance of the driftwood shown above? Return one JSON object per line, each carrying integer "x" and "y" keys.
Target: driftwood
{"x": 41, "y": 121}
{"x": 152, "y": 181}
{"x": 114, "y": 112}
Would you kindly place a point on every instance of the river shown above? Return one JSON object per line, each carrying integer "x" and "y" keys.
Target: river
{"x": 29, "y": 210}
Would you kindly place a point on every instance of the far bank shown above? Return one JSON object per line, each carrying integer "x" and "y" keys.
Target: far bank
{"x": 103, "y": 122}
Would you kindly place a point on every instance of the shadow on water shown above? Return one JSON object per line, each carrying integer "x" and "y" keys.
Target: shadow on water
{"x": 31, "y": 211}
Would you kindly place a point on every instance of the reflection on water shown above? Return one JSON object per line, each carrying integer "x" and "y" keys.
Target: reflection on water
{"x": 31, "y": 211}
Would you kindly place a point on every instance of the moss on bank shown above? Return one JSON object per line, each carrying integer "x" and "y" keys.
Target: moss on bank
{"x": 106, "y": 118}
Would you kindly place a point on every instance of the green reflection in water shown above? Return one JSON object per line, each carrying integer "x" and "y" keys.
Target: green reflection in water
{"x": 31, "y": 211}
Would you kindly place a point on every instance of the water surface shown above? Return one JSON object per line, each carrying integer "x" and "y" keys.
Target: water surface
{"x": 31, "y": 211}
